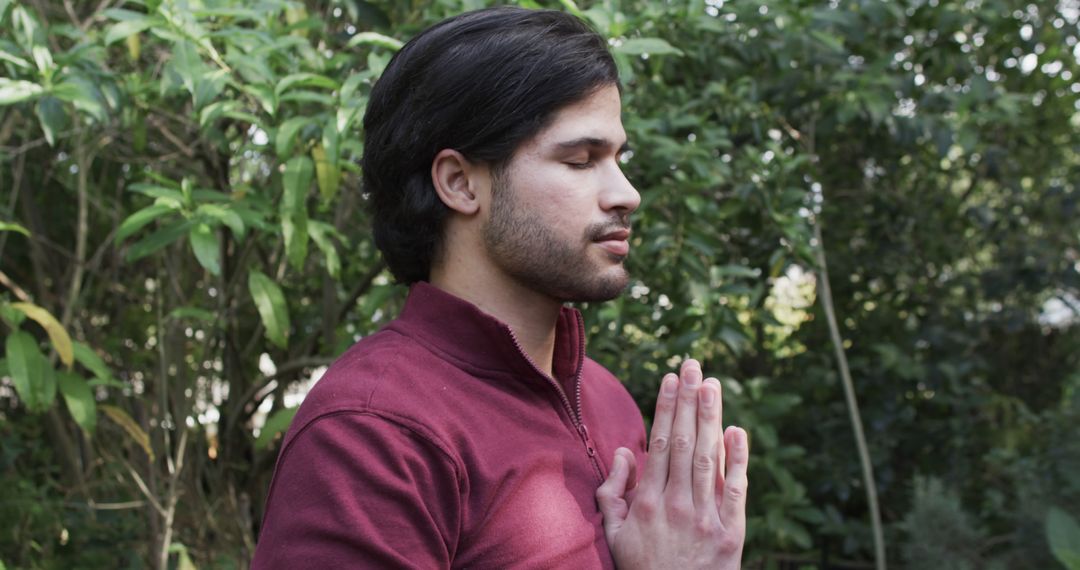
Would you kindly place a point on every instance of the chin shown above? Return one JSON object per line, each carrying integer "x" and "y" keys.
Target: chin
{"x": 605, "y": 286}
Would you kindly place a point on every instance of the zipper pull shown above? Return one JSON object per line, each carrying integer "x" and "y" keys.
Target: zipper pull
{"x": 589, "y": 448}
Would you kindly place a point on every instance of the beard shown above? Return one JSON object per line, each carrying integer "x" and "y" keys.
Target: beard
{"x": 533, "y": 255}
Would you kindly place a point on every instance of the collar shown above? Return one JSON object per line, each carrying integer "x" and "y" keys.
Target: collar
{"x": 478, "y": 342}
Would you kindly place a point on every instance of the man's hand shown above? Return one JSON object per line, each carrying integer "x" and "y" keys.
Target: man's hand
{"x": 685, "y": 513}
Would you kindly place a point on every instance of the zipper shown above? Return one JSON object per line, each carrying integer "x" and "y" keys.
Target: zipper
{"x": 573, "y": 410}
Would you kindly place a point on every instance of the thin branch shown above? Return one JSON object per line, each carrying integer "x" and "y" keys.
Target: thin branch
{"x": 187, "y": 150}
{"x": 7, "y": 282}
{"x": 73, "y": 16}
{"x": 283, "y": 370}
{"x": 81, "y": 230}
{"x": 145, "y": 490}
{"x": 115, "y": 506}
{"x": 845, "y": 370}
{"x": 361, "y": 287}
{"x": 173, "y": 498}
{"x": 16, "y": 184}
{"x": 852, "y": 403}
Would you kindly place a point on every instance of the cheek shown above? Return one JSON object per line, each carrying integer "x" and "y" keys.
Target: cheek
{"x": 555, "y": 196}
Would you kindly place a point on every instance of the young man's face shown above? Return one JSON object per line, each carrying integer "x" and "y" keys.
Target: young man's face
{"x": 559, "y": 221}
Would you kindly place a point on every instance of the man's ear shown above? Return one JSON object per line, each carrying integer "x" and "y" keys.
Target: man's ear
{"x": 457, "y": 180}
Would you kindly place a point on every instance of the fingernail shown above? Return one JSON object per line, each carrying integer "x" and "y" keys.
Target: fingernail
{"x": 670, "y": 387}
{"x": 708, "y": 395}
{"x": 740, "y": 439}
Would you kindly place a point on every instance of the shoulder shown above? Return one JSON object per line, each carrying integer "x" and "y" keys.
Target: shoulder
{"x": 386, "y": 375}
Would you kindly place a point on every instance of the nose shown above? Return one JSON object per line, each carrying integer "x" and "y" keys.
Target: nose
{"x": 619, "y": 194}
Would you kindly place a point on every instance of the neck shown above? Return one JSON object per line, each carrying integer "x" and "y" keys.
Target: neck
{"x": 530, "y": 315}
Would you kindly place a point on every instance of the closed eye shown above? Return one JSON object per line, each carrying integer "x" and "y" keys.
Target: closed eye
{"x": 581, "y": 165}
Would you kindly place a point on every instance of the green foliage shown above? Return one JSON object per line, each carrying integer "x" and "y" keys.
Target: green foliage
{"x": 940, "y": 533}
{"x": 1063, "y": 534}
{"x": 34, "y": 379}
{"x": 180, "y": 201}
{"x": 274, "y": 426}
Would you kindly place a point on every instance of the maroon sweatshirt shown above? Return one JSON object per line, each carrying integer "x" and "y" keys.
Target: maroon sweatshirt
{"x": 437, "y": 443}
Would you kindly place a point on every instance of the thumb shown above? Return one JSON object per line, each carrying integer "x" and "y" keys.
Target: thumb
{"x": 611, "y": 496}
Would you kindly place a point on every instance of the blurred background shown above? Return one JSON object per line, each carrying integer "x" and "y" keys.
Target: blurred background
{"x": 862, "y": 215}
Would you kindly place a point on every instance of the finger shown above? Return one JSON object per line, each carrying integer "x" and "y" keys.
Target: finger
{"x": 610, "y": 496}
{"x": 656, "y": 466}
{"x": 721, "y": 449}
{"x": 684, "y": 433}
{"x": 733, "y": 505}
{"x": 631, "y": 461}
{"x": 705, "y": 452}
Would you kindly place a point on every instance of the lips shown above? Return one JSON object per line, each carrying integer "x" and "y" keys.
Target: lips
{"x": 616, "y": 241}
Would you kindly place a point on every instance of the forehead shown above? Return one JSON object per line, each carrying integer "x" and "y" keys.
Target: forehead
{"x": 598, "y": 116}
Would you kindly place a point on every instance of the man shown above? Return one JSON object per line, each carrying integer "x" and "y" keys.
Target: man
{"x": 472, "y": 432}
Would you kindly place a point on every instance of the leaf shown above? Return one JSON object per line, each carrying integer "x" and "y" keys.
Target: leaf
{"x": 187, "y": 64}
{"x": 91, "y": 361}
{"x": 27, "y": 31}
{"x": 212, "y": 111}
{"x": 294, "y": 232}
{"x": 327, "y": 173}
{"x": 304, "y": 80}
{"x": 4, "y": 55}
{"x": 30, "y": 372}
{"x": 320, "y": 234}
{"x": 52, "y": 116}
{"x": 191, "y": 313}
{"x": 264, "y": 95}
{"x": 296, "y": 181}
{"x": 10, "y": 316}
{"x": 270, "y": 303}
{"x": 138, "y": 220}
{"x": 830, "y": 41}
{"x": 157, "y": 240}
{"x": 719, "y": 272}
{"x": 134, "y": 45}
{"x": 15, "y": 90}
{"x": 156, "y": 191}
{"x": 1063, "y": 534}
{"x": 183, "y": 559}
{"x": 42, "y": 58}
{"x": 59, "y": 337}
{"x": 350, "y": 86}
{"x": 86, "y": 97}
{"x": 79, "y": 399}
{"x": 122, "y": 15}
{"x": 226, "y": 216}
{"x": 651, "y": 46}
{"x": 136, "y": 432}
{"x": 346, "y": 116}
{"x": 207, "y": 248}
{"x": 125, "y": 28}
{"x": 275, "y": 424}
{"x": 253, "y": 218}
{"x": 308, "y": 96}
{"x": 286, "y": 135}
{"x": 572, "y": 7}
{"x": 13, "y": 227}
{"x": 374, "y": 39}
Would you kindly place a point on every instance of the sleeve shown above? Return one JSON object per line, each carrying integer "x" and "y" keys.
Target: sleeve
{"x": 357, "y": 490}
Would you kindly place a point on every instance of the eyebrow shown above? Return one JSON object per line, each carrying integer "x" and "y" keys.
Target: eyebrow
{"x": 592, "y": 142}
